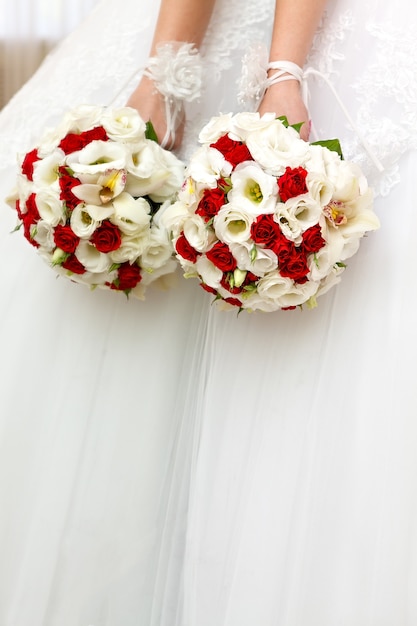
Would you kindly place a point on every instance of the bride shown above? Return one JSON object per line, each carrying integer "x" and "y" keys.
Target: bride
{"x": 165, "y": 463}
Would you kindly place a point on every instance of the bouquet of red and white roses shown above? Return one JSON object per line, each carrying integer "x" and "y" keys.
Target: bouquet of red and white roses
{"x": 266, "y": 220}
{"x": 88, "y": 199}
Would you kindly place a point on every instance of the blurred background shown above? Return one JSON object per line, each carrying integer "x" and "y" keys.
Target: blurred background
{"x": 29, "y": 29}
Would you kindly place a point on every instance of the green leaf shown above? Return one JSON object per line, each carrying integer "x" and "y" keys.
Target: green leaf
{"x": 330, "y": 144}
{"x": 297, "y": 127}
{"x": 283, "y": 119}
{"x": 150, "y": 132}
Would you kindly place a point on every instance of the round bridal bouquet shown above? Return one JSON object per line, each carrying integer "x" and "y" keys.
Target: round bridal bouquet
{"x": 88, "y": 199}
{"x": 264, "y": 219}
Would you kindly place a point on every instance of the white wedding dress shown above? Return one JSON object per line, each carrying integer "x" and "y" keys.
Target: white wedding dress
{"x": 164, "y": 463}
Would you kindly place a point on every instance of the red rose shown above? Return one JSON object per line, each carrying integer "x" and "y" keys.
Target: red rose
{"x": 128, "y": 276}
{"x": 74, "y": 141}
{"x": 19, "y": 212}
{"x": 313, "y": 240}
{"x": 233, "y": 151}
{"x": 292, "y": 183}
{"x": 251, "y": 278}
{"x": 32, "y": 213}
{"x": 28, "y": 161}
{"x": 295, "y": 266}
{"x": 208, "y": 288}
{"x": 107, "y": 237}
{"x": 65, "y": 238}
{"x": 226, "y": 285}
{"x": 66, "y": 184}
{"x": 233, "y": 301}
{"x": 221, "y": 257}
{"x": 185, "y": 249}
{"x": 72, "y": 264}
{"x": 283, "y": 247}
{"x": 210, "y": 203}
{"x": 265, "y": 231}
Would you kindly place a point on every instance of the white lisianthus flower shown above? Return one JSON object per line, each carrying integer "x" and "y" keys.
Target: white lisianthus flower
{"x": 93, "y": 260}
{"x": 233, "y": 224}
{"x": 45, "y": 171}
{"x": 208, "y": 165}
{"x": 289, "y": 224}
{"x": 50, "y": 206}
{"x": 131, "y": 215}
{"x": 76, "y": 120}
{"x": 98, "y": 157}
{"x": 130, "y": 248}
{"x": 157, "y": 251}
{"x": 215, "y": 128}
{"x": 304, "y": 209}
{"x": 252, "y": 189}
{"x": 210, "y": 274}
{"x": 276, "y": 147}
{"x": 253, "y": 259}
{"x": 197, "y": 233}
{"x": 123, "y": 124}
{"x": 82, "y": 222}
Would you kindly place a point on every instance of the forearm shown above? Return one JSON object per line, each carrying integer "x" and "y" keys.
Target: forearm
{"x": 295, "y": 24}
{"x": 182, "y": 20}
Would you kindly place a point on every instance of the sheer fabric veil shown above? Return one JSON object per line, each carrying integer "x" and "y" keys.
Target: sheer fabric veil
{"x": 163, "y": 463}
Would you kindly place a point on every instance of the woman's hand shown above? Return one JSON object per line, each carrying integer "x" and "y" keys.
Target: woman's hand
{"x": 151, "y": 107}
{"x": 284, "y": 98}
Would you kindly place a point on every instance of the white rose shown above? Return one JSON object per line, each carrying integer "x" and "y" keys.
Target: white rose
{"x": 253, "y": 189}
{"x": 173, "y": 217}
{"x": 320, "y": 187}
{"x": 210, "y": 274}
{"x": 215, "y": 128}
{"x": 157, "y": 274}
{"x": 259, "y": 261}
{"x": 197, "y": 233}
{"x": 81, "y": 118}
{"x": 245, "y": 123}
{"x": 93, "y": 260}
{"x": 270, "y": 289}
{"x": 123, "y": 124}
{"x": 207, "y": 165}
{"x": 130, "y": 248}
{"x": 50, "y": 207}
{"x": 131, "y": 215}
{"x": 44, "y": 235}
{"x": 157, "y": 251}
{"x": 276, "y": 147}
{"x": 233, "y": 224}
